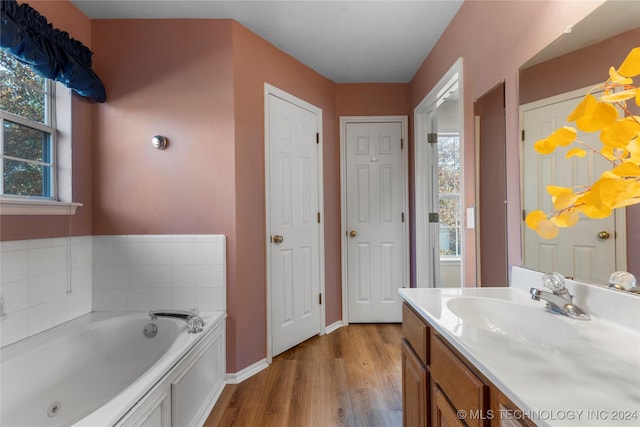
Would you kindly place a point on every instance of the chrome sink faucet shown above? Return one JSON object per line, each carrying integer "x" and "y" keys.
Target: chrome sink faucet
{"x": 559, "y": 300}
{"x": 624, "y": 281}
{"x": 194, "y": 322}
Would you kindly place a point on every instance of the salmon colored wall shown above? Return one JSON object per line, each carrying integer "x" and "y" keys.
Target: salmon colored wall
{"x": 256, "y": 61}
{"x": 579, "y": 69}
{"x": 576, "y": 70}
{"x": 493, "y": 48}
{"x": 171, "y": 78}
{"x": 373, "y": 99}
{"x": 67, "y": 17}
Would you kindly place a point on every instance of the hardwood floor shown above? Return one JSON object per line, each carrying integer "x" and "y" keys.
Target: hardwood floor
{"x": 350, "y": 377}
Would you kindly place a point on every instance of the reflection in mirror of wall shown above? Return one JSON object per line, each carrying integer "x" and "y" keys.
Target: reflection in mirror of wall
{"x": 579, "y": 60}
{"x": 489, "y": 110}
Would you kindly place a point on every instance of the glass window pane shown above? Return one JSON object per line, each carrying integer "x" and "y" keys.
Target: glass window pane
{"x": 449, "y": 164}
{"x": 450, "y": 226}
{"x": 22, "y": 92}
{"x": 26, "y": 179}
{"x": 26, "y": 143}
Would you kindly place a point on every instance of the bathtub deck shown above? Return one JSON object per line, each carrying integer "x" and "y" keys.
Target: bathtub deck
{"x": 351, "y": 377}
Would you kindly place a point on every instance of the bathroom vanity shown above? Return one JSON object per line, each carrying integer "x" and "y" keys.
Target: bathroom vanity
{"x": 441, "y": 387}
{"x": 495, "y": 357}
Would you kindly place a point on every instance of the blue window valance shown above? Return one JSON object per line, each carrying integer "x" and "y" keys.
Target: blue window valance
{"x": 50, "y": 52}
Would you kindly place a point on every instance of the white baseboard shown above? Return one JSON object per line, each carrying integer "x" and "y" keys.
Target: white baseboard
{"x": 247, "y": 372}
{"x": 333, "y": 327}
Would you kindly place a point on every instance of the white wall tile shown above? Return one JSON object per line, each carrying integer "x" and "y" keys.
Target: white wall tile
{"x": 81, "y": 256}
{"x": 160, "y": 276}
{"x": 211, "y": 298}
{"x": 16, "y": 295}
{"x": 183, "y": 253}
{"x": 64, "y": 309}
{"x": 114, "y": 299}
{"x": 40, "y": 317}
{"x": 14, "y": 327}
{"x": 97, "y": 299}
{"x": 60, "y": 284}
{"x": 138, "y": 299}
{"x": 107, "y": 273}
{"x": 160, "y": 251}
{"x": 61, "y": 258}
{"x": 15, "y": 245}
{"x": 160, "y": 298}
{"x": 40, "y": 290}
{"x": 44, "y": 268}
{"x": 84, "y": 302}
{"x": 184, "y": 276}
{"x": 185, "y": 298}
{"x": 15, "y": 265}
{"x": 40, "y": 261}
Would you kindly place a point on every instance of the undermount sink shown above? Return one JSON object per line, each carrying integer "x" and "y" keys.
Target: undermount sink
{"x": 513, "y": 320}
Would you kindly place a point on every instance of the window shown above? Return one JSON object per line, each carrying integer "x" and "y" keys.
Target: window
{"x": 28, "y": 131}
{"x": 449, "y": 191}
{"x": 35, "y": 148}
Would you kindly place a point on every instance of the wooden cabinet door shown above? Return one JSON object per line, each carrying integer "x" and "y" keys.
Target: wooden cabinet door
{"x": 443, "y": 414}
{"x": 415, "y": 389}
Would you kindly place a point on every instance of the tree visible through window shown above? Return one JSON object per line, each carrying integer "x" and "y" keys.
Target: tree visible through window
{"x": 27, "y": 140}
{"x": 449, "y": 191}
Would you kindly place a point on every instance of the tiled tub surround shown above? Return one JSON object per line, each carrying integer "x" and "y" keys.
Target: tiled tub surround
{"x": 141, "y": 273}
{"x": 43, "y": 282}
{"x": 106, "y": 273}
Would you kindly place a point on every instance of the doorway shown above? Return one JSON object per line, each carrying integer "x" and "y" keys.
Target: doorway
{"x": 439, "y": 191}
{"x": 374, "y": 217}
{"x": 295, "y": 249}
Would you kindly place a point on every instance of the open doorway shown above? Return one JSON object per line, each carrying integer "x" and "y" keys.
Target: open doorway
{"x": 438, "y": 184}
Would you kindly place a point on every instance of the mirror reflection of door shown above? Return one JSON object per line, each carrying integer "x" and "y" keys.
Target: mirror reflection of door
{"x": 586, "y": 251}
{"x": 492, "y": 188}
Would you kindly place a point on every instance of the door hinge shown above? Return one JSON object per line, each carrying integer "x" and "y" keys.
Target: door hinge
{"x": 524, "y": 215}
{"x": 432, "y": 138}
{"x": 401, "y": 143}
{"x": 317, "y": 137}
{"x": 318, "y": 217}
{"x": 434, "y": 217}
{"x": 320, "y": 299}
{"x": 522, "y": 135}
{"x": 402, "y": 216}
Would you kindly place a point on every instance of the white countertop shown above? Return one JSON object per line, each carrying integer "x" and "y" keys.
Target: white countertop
{"x": 559, "y": 372}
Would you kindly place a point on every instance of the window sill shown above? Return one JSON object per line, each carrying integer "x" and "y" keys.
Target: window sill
{"x": 37, "y": 207}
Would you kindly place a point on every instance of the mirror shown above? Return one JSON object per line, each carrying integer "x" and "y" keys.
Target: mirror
{"x": 551, "y": 84}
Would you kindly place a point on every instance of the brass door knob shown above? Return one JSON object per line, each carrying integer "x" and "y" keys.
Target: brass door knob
{"x": 603, "y": 235}
{"x": 353, "y": 233}
{"x": 277, "y": 239}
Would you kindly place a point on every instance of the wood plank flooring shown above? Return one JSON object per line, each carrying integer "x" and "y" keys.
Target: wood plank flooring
{"x": 350, "y": 377}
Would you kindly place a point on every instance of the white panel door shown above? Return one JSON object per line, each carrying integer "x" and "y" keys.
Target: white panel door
{"x": 374, "y": 220}
{"x": 293, "y": 202}
{"x": 577, "y": 251}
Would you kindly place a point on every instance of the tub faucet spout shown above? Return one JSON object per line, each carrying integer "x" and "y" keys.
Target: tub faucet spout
{"x": 194, "y": 322}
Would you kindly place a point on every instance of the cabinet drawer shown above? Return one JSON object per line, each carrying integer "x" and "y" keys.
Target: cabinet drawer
{"x": 463, "y": 388}
{"x": 416, "y": 331}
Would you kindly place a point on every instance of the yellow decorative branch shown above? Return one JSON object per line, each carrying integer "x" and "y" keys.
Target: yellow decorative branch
{"x": 620, "y": 137}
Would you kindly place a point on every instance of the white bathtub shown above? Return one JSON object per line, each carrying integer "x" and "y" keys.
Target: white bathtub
{"x": 93, "y": 370}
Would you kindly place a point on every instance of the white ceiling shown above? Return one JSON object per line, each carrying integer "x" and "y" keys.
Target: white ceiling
{"x": 352, "y": 41}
